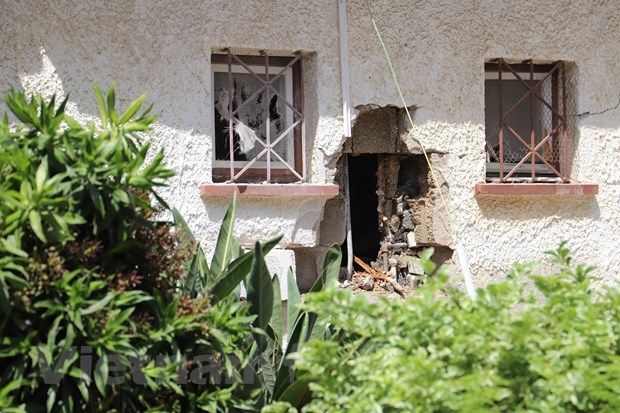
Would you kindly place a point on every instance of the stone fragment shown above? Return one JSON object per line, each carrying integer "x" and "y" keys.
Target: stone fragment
{"x": 393, "y": 296}
{"x": 368, "y": 284}
{"x": 394, "y": 223}
{"x": 411, "y": 281}
{"x": 411, "y": 242}
{"x": 415, "y": 268}
{"x": 400, "y": 208}
{"x": 392, "y": 262}
{"x": 407, "y": 221}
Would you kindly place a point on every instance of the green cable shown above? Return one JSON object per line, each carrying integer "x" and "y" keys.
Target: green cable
{"x": 402, "y": 98}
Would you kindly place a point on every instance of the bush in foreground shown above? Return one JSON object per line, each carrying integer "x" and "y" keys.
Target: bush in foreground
{"x": 91, "y": 317}
{"x": 554, "y": 349}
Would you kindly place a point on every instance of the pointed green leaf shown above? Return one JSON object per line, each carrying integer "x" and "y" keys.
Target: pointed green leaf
{"x": 260, "y": 292}
{"x": 276, "y": 314}
{"x": 286, "y": 374}
{"x": 103, "y": 109}
{"x": 98, "y": 305}
{"x": 131, "y": 110}
{"x": 35, "y": 224}
{"x": 41, "y": 175}
{"x": 298, "y": 393}
{"x": 293, "y": 301}
{"x": 237, "y": 271}
{"x": 331, "y": 268}
{"x": 111, "y": 103}
{"x": 224, "y": 247}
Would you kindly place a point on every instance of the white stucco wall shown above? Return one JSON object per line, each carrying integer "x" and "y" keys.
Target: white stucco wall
{"x": 439, "y": 48}
{"x": 164, "y": 48}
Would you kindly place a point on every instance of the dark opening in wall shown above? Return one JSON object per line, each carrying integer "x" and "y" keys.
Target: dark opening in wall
{"x": 363, "y": 201}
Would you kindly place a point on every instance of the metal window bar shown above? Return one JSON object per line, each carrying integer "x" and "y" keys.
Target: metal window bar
{"x": 268, "y": 146}
{"x": 558, "y": 120}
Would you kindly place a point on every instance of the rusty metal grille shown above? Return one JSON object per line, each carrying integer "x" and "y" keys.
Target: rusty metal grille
{"x": 527, "y": 123}
{"x": 258, "y": 118}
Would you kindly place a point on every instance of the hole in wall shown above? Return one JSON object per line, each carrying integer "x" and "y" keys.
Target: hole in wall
{"x": 392, "y": 199}
{"x": 363, "y": 204}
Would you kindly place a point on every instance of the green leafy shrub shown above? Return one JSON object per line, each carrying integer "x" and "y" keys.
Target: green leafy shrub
{"x": 273, "y": 384}
{"x": 553, "y": 349}
{"x": 91, "y": 314}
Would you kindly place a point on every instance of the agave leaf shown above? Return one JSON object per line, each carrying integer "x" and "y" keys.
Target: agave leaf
{"x": 286, "y": 374}
{"x": 298, "y": 392}
{"x": 236, "y": 272}
{"x": 293, "y": 301}
{"x": 331, "y": 268}
{"x": 224, "y": 247}
{"x": 260, "y": 294}
{"x": 276, "y": 321}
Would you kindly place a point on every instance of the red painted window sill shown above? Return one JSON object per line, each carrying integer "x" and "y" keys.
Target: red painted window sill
{"x": 537, "y": 189}
{"x": 269, "y": 190}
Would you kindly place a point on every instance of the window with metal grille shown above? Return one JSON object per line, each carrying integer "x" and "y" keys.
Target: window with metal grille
{"x": 258, "y": 118}
{"x": 526, "y": 122}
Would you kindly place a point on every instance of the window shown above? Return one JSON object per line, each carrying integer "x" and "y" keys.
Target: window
{"x": 258, "y": 118}
{"x": 526, "y": 122}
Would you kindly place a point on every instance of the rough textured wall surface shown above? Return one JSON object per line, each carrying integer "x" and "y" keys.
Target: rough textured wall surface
{"x": 164, "y": 48}
{"x": 439, "y": 49}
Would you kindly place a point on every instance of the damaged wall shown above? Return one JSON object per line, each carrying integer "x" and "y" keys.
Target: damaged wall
{"x": 438, "y": 50}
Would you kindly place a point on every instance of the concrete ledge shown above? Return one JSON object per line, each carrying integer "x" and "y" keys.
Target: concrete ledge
{"x": 536, "y": 189}
{"x": 269, "y": 190}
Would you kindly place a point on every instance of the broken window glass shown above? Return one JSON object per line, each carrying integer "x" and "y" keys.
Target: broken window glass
{"x": 258, "y": 121}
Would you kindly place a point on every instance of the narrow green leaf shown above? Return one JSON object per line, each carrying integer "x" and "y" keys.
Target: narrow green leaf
{"x": 101, "y": 374}
{"x": 192, "y": 277}
{"x": 237, "y": 271}
{"x": 286, "y": 374}
{"x": 331, "y": 268}
{"x": 35, "y": 224}
{"x": 276, "y": 314}
{"x": 41, "y": 175}
{"x": 131, "y": 110}
{"x": 260, "y": 291}
{"x": 103, "y": 109}
{"x": 9, "y": 247}
{"x": 293, "y": 301}
{"x": 98, "y": 305}
{"x": 224, "y": 247}
{"x": 111, "y": 103}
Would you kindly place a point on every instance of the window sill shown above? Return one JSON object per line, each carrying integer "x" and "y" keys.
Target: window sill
{"x": 269, "y": 190}
{"x": 537, "y": 189}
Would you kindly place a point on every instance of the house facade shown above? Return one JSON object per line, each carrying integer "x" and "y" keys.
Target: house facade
{"x": 515, "y": 104}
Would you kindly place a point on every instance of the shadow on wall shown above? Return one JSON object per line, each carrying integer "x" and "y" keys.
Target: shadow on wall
{"x": 512, "y": 208}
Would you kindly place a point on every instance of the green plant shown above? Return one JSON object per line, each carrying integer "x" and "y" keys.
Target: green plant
{"x": 274, "y": 381}
{"x": 551, "y": 349}
{"x": 89, "y": 300}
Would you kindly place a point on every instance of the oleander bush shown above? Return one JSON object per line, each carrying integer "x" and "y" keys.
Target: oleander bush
{"x": 104, "y": 308}
{"x": 551, "y": 348}
{"x": 91, "y": 313}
